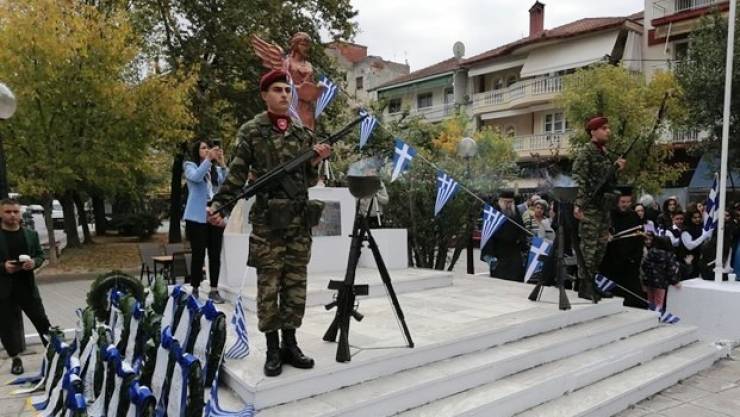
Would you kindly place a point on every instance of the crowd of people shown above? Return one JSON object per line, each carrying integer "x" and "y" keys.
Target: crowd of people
{"x": 651, "y": 246}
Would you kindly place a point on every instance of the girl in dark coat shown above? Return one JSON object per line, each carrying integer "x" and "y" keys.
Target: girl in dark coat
{"x": 661, "y": 268}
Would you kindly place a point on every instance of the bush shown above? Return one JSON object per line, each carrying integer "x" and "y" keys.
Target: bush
{"x": 142, "y": 225}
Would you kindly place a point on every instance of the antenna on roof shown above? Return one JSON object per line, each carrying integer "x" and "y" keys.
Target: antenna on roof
{"x": 458, "y": 50}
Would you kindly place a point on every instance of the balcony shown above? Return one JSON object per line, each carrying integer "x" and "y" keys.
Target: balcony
{"x": 682, "y": 5}
{"x": 518, "y": 94}
{"x": 682, "y": 136}
{"x": 543, "y": 144}
{"x": 431, "y": 113}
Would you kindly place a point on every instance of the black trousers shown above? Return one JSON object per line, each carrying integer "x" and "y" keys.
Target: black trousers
{"x": 25, "y": 298}
{"x": 204, "y": 237}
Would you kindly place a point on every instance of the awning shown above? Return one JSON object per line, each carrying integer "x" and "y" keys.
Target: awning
{"x": 703, "y": 177}
{"x": 499, "y": 65}
{"x": 443, "y": 81}
{"x": 569, "y": 54}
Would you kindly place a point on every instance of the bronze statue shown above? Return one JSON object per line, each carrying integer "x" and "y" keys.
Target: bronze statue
{"x": 295, "y": 64}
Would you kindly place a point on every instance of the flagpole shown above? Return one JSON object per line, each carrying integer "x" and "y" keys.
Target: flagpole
{"x": 718, "y": 264}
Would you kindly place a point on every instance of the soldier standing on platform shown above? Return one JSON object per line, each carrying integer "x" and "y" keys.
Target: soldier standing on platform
{"x": 593, "y": 203}
{"x": 280, "y": 243}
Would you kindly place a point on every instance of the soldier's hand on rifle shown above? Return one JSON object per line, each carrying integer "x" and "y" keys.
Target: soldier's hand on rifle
{"x": 214, "y": 218}
{"x": 577, "y": 213}
{"x": 323, "y": 150}
{"x": 621, "y": 162}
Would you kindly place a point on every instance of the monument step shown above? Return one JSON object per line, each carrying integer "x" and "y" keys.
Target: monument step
{"x": 440, "y": 327}
{"x": 400, "y": 391}
{"x": 527, "y": 389}
{"x": 616, "y": 393}
{"x": 403, "y": 281}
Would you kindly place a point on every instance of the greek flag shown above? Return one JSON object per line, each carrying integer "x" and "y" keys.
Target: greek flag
{"x": 240, "y": 349}
{"x": 492, "y": 221}
{"x": 402, "y": 156}
{"x": 604, "y": 284}
{"x": 539, "y": 247}
{"x": 664, "y": 316}
{"x": 366, "y": 127}
{"x": 327, "y": 95}
{"x": 446, "y": 189}
{"x": 213, "y": 408}
{"x": 293, "y": 107}
{"x": 712, "y": 205}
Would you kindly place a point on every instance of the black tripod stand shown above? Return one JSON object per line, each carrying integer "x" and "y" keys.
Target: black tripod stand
{"x": 347, "y": 290}
{"x": 554, "y": 270}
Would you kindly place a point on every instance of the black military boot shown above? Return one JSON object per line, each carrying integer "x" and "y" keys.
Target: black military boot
{"x": 291, "y": 353}
{"x": 587, "y": 291}
{"x": 273, "y": 364}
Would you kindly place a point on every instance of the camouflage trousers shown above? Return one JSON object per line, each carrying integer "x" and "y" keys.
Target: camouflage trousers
{"x": 280, "y": 259}
{"x": 593, "y": 232}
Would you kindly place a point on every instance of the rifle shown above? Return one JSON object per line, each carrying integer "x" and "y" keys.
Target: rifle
{"x": 613, "y": 169}
{"x": 280, "y": 174}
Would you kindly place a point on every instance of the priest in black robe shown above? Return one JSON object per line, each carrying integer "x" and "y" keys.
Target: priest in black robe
{"x": 503, "y": 251}
{"x": 624, "y": 252}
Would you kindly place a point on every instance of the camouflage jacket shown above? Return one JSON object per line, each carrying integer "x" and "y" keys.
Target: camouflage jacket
{"x": 589, "y": 169}
{"x": 258, "y": 149}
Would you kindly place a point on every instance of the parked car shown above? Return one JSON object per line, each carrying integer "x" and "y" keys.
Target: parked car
{"x": 27, "y": 217}
{"x": 57, "y": 215}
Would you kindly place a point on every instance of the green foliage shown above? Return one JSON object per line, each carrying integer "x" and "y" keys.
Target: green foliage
{"x": 142, "y": 225}
{"x": 701, "y": 76}
{"x": 631, "y": 106}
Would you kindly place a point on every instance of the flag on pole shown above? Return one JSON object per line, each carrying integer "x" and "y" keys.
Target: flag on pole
{"x": 327, "y": 95}
{"x": 492, "y": 221}
{"x": 366, "y": 127}
{"x": 664, "y": 316}
{"x": 447, "y": 187}
{"x": 240, "y": 348}
{"x": 604, "y": 284}
{"x": 711, "y": 206}
{"x": 402, "y": 156}
{"x": 540, "y": 247}
{"x": 293, "y": 106}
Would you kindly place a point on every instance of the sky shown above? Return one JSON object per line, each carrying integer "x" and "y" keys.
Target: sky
{"x": 422, "y": 32}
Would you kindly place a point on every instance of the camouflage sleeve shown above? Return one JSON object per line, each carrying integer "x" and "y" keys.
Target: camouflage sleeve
{"x": 238, "y": 172}
{"x": 581, "y": 168}
{"x": 312, "y": 172}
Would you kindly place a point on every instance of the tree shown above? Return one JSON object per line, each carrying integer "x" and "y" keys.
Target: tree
{"x": 631, "y": 106}
{"x": 212, "y": 38}
{"x": 87, "y": 118}
{"x": 701, "y": 75}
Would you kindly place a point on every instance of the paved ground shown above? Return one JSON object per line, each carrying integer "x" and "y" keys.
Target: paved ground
{"x": 712, "y": 393}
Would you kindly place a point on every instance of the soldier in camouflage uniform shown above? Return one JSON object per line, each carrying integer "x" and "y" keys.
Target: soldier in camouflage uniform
{"x": 280, "y": 243}
{"x": 592, "y": 205}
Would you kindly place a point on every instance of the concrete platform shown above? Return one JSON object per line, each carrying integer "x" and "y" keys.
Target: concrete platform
{"x": 710, "y": 306}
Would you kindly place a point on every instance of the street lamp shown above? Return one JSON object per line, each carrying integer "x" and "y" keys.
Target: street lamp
{"x": 7, "y": 109}
{"x": 467, "y": 149}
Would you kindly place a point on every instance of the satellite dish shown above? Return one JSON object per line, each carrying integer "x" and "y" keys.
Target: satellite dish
{"x": 458, "y": 49}
{"x": 7, "y": 102}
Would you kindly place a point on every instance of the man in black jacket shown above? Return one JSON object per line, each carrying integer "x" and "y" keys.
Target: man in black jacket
{"x": 21, "y": 254}
{"x": 503, "y": 251}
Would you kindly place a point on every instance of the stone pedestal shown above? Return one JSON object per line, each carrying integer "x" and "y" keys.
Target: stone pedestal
{"x": 712, "y": 307}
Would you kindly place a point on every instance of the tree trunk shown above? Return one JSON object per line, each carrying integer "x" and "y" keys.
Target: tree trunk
{"x": 46, "y": 203}
{"x": 82, "y": 217}
{"x": 70, "y": 220}
{"x": 175, "y": 235}
{"x": 101, "y": 224}
{"x": 439, "y": 263}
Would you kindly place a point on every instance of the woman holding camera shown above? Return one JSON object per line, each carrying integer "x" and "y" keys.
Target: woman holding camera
{"x": 205, "y": 173}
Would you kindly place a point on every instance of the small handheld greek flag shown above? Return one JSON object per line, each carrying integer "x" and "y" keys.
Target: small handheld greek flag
{"x": 492, "y": 221}
{"x": 293, "y": 106}
{"x": 240, "y": 349}
{"x": 366, "y": 127}
{"x": 604, "y": 284}
{"x": 213, "y": 408}
{"x": 540, "y": 246}
{"x": 447, "y": 187}
{"x": 402, "y": 156}
{"x": 664, "y": 316}
{"x": 711, "y": 206}
{"x": 327, "y": 95}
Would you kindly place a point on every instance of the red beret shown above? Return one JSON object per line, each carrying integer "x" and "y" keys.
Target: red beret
{"x": 595, "y": 123}
{"x": 272, "y": 77}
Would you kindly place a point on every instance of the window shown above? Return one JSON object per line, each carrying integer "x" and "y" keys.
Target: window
{"x": 394, "y": 105}
{"x": 449, "y": 95}
{"x": 555, "y": 123}
{"x": 358, "y": 83}
{"x": 680, "y": 50}
{"x": 424, "y": 100}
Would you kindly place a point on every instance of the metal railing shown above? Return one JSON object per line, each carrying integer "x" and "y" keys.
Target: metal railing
{"x": 682, "y": 5}
{"x": 541, "y": 141}
{"x": 532, "y": 87}
{"x": 435, "y": 112}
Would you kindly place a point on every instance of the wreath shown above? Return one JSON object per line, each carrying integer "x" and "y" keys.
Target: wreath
{"x": 99, "y": 294}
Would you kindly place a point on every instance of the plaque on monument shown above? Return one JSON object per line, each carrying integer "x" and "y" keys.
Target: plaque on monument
{"x": 330, "y": 223}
